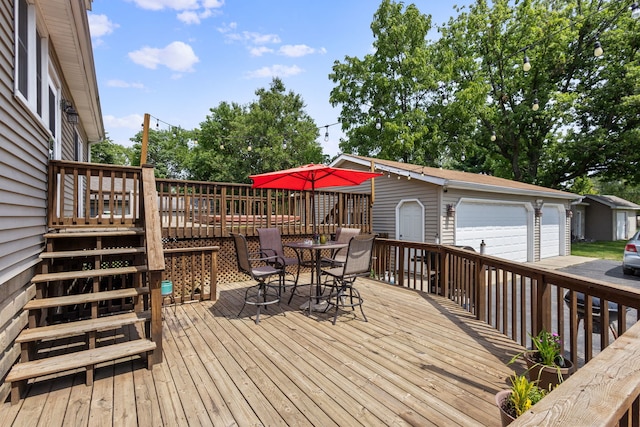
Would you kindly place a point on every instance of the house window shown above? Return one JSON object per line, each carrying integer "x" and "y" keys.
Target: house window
{"x": 31, "y": 57}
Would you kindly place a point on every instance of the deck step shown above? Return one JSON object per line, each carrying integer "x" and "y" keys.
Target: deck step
{"x": 85, "y": 274}
{"x": 91, "y": 253}
{"x": 80, "y": 359}
{"x": 36, "y": 304}
{"x": 80, "y": 233}
{"x": 79, "y": 327}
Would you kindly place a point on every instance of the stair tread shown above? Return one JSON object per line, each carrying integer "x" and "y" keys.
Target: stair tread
{"x": 78, "y": 327}
{"x": 95, "y": 233}
{"x": 91, "y": 252}
{"x": 86, "y": 298}
{"x": 85, "y": 274}
{"x": 66, "y": 362}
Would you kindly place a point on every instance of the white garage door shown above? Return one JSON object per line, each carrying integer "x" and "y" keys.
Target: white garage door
{"x": 503, "y": 227}
{"x": 550, "y": 232}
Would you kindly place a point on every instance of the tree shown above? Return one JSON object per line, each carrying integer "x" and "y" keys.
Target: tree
{"x": 383, "y": 96}
{"x": 108, "y": 152}
{"x": 167, "y": 150}
{"x": 271, "y": 133}
{"x": 464, "y": 101}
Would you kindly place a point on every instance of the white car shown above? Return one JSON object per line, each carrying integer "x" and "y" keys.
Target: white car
{"x": 631, "y": 257}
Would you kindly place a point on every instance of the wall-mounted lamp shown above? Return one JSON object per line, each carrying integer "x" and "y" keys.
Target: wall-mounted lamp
{"x": 72, "y": 114}
{"x": 569, "y": 213}
{"x": 538, "y": 208}
{"x": 451, "y": 210}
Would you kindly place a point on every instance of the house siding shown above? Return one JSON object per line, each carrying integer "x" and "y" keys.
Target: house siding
{"x": 597, "y": 215}
{"x": 24, "y": 157}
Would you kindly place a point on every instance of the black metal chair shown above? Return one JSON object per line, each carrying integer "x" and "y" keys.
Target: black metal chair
{"x": 271, "y": 245}
{"x": 596, "y": 308}
{"x": 342, "y": 293}
{"x": 260, "y": 268}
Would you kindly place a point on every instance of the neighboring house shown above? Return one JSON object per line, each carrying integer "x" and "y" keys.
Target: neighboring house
{"x": 516, "y": 221}
{"x": 604, "y": 218}
{"x": 47, "y": 82}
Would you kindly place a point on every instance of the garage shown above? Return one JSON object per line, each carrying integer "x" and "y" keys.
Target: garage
{"x": 550, "y": 232}
{"x": 504, "y": 227}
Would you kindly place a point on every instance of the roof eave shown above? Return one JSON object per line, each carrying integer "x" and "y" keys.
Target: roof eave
{"x": 71, "y": 39}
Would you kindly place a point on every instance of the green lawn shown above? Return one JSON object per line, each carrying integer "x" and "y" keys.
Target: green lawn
{"x": 604, "y": 250}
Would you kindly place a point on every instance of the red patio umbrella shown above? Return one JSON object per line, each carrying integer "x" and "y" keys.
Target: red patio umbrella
{"x": 310, "y": 177}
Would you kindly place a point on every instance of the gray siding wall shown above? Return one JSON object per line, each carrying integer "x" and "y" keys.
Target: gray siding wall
{"x": 24, "y": 156}
{"x": 599, "y": 222}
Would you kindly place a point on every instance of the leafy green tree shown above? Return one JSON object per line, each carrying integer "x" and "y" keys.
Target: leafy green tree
{"x": 464, "y": 101}
{"x": 271, "y": 133}
{"x": 167, "y": 150}
{"x": 108, "y": 152}
{"x": 383, "y": 96}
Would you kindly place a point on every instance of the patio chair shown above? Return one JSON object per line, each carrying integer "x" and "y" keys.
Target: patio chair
{"x": 271, "y": 245}
{"x": 342, "y": 293}
{"x": 595, "y": 312}
{"x": 337, "y": 258}
{"x": 260, "y": 268}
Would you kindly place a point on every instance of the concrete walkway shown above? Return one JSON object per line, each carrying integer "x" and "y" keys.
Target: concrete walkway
{"x": 558, "y": 262}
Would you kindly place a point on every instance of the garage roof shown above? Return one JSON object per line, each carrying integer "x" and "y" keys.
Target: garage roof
{"x": 455, "y": 179}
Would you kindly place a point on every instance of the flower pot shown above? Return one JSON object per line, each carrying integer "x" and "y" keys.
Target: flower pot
{"x": 501, "y": 397}
{"x": 548, "y": 377}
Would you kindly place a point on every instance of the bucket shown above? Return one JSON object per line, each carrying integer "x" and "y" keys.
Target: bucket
{"x": 166, "y": 287}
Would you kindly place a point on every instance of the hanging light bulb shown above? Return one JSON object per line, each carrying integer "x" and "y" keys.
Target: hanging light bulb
{"x": 597, "y": 51}
{"x": 221, "y": 146}
{"x": 535, "y": 105}
{"x": 378, "y": 124}
{"x": 635, "y": 11}
{"x": 493, "y": 136}
{"x": 326, "y": 133}
{"x": 408, "y": 177}
{"x": 526, "y": 65}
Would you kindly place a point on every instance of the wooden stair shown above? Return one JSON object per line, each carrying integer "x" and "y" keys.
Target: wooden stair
{"x": 90, "y": 282}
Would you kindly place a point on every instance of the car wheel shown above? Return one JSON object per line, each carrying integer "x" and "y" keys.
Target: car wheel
{"x": 628, "y": 271}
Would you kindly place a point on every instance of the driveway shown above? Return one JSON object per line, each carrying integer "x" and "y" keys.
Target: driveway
{"x": 603, "y": 269}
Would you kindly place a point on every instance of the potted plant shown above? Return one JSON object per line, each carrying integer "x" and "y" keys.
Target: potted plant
{"x": 518, "y": 399}
{"x": 545, "y": 362}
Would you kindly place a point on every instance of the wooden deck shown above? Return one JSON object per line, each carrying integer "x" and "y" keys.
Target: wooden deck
{"x": 420, "y": 360}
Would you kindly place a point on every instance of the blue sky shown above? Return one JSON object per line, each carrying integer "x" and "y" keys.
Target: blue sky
{"x": 176, "y": 59}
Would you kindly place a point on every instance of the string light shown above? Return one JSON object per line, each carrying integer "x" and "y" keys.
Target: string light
{"x": 526, "y": 65}
{"x": 597, "y": 49}
{"x": 493, "y": 136}
{"x": 535, "y": 105}
{"x": 326, "y": 133}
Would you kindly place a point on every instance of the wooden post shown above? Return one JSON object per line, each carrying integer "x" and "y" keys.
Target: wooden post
{"x": 145, "y": 139}
{"x": 480, "y": 291}
{"x": 542, "y": 321}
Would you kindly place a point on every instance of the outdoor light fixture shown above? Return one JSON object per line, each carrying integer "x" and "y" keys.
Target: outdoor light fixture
{"x": 597, "y": 51}
{"x": 535, "y": 105}
{"x": 526, "y": 65}
{"x": 635, "y": 11}
{"x": 378, "y": 124}
{"x": 451, "y": 211}
{"x": 493, "y": 136}
{"x": 538, "y": 208}
{"x": 326, "y": 133}
{"x": 569, "y": 212}
{"x": 72, "y": 114}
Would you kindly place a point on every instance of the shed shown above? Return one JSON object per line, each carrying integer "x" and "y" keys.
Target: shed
{"x": 516, "y": 220}
{"x": 604, "y": 217}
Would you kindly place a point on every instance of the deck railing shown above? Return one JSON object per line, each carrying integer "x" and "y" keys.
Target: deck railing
{"x": 192, "y": 209}
{"x": 520, "y": 300}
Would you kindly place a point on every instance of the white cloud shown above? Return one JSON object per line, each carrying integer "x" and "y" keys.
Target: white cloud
{"x": 191, "y": 17}
{"x": 274, "y": 71}
{"x": 259, "y": 50}
{"x": 132, "y": 121}
{"x": 177, "y": 56}
{"x": 298, "y": 50}
{"x": 100, "y": 25}
{"x": 167, "y": 4}
{"x": 123, "y": 84}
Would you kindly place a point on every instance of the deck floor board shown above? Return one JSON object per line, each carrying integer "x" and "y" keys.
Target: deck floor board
{"x": 419, "y": 360}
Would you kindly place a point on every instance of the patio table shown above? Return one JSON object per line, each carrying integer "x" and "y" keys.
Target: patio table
{"x": 315, "y": 249}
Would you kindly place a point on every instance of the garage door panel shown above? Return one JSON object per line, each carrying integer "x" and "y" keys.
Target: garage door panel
{"x": 503, "y": 227}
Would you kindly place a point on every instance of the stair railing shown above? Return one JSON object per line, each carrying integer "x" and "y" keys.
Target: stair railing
{"x": 155, "y": 256}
